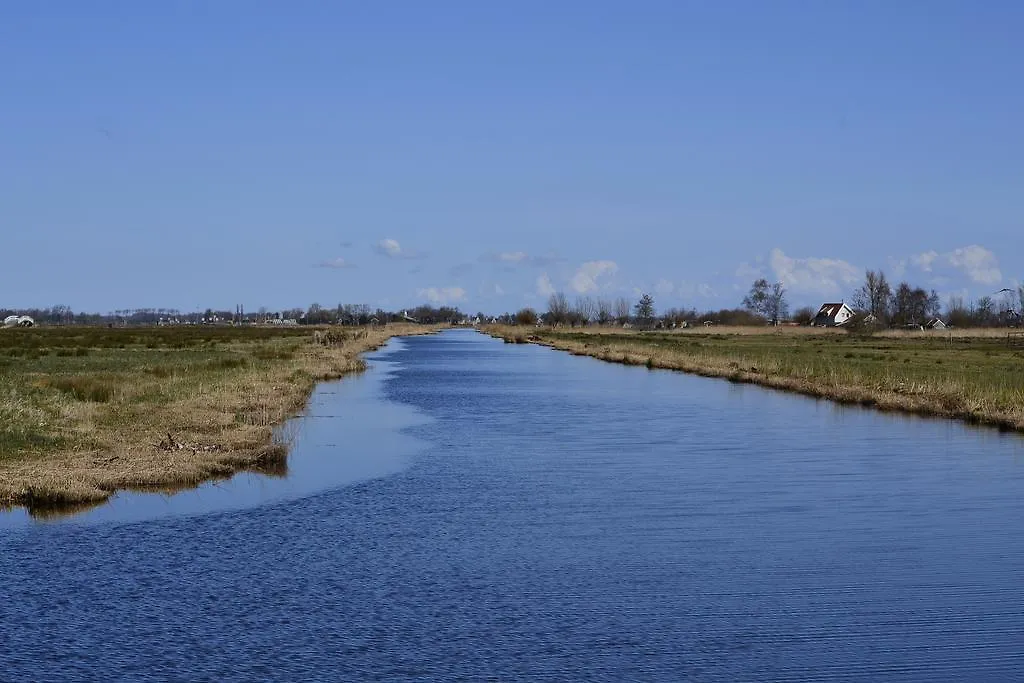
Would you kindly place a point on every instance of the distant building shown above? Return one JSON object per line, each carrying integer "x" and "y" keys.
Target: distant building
{"x": 833, "y": 315}
{"x": 936, "y": 324}
{"x": 18, "y": 321}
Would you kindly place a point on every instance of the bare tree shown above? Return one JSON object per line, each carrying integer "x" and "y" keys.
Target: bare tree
{"x": 984, "y": 311}
{"x": 621, "y": 310}
{"x": 778, "y": 307}
{"x": 604, "y": 311}
{"x": 934, "y": 307}
{"x": 584, "y": 310}
{"x": 803, "y": 315}
{"x": 874, "y": 295}
{"x": 558, "y": 309}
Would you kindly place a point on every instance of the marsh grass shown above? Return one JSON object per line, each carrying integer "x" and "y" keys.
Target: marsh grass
{"x": 82, "y": 410}
{"x": 977, "y": 377}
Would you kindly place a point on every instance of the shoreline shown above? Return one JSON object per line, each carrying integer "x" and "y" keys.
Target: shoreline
{"x": 898, "y": 396}
{"x": 213, "y": 438}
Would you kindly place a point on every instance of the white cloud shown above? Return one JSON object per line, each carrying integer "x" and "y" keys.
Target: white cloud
{"x": 389, "y": 247}
{"x": 335, "y": 263}
{"x": 706, "y": 291}
{"x": 664, "y": 287}
{"x": 442, "y": 295}
{"x": 392, "y": 249}
{"x": 544, "y": 286}
{"x": 924, "y": 260}
{"x": 823, "y": 276}
{"x": 589, "y": 274}
{"x": 978, "y": 263}
{"x": 521, "y": 258}
{"x": 512, "y": 256}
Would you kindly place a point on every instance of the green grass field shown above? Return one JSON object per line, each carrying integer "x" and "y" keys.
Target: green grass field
{"x": 50, "y": 374}
{"x": 975, "y": 377}
{"x": 85, "y": 411}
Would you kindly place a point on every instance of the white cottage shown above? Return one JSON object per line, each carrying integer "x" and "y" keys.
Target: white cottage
{"x": 833, "y": 315}
{"x": 18, "y": 321}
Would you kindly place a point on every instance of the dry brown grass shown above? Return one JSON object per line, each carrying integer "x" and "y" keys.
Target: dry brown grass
{"x": 971, "y": 375}
{"x": 143, "y": 415}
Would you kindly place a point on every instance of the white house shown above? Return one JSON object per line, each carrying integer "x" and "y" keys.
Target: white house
{"x": 833, "y": 315}
{"x": 18, "y": 321}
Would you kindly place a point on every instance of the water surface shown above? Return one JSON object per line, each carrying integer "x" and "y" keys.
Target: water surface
{"x": 558, "y": 518}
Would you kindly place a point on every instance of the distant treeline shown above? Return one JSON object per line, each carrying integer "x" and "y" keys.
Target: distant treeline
{"x": 907, "y": 305}
{"x": 587, "y": 310}
{"x": 875, "y": 300}
{"x": 315, "y": 314}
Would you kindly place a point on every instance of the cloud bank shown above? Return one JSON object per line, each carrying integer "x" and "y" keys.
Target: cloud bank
{"x": 442, "y": 295}
{"x": 589, "y": 276}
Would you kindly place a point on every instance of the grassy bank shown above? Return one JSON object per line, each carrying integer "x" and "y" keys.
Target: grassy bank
{"x": 973, "y": 376}
{"x": 87, "y": 411}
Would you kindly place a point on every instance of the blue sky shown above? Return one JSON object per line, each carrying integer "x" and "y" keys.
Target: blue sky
{"x": 194, "y": 154}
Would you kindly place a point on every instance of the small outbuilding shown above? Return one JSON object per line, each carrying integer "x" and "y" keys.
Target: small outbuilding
{"x": 935, "y": 324}
{"x": 833, "y": 315}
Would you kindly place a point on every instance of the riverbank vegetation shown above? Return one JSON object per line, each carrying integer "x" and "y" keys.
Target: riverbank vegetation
{"x": 972, "y": 375}
{"x": 85, "y": 411}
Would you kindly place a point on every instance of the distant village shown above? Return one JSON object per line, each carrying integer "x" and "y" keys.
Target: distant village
{"x": 346, "y": 314}
{"x": 874, "y": 305}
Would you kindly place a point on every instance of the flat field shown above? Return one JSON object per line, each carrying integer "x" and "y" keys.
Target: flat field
{"x": 86, "y": 411}
{"x": 971, "y": 375}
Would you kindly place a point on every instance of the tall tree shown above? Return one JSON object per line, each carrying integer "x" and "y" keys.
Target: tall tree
{"x": 767, "y": 300}
{"x": 604, "y": 311}
{"x": 778, "y": 307}
{"x": 934, "y": 305}
{"x": 874, "y": 295}
{"x": 621, "y": 310}
{"x": 900, "y": 310}
{"x": 558, "y": 309}
{"x": 984, "y": 311}
{"x": 645, "y": 308}
{"x": 584, "y": 310}
{"x": 756, "y": 300}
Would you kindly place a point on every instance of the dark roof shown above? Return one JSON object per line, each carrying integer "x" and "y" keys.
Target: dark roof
{"x": 830, "y": 310}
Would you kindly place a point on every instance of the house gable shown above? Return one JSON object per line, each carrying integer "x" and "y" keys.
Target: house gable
{"x": 833, "y": 315}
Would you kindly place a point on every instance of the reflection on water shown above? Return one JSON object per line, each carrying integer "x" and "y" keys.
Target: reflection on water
{"x": 275, "y": 467}
{"x": 557, "y": 518}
